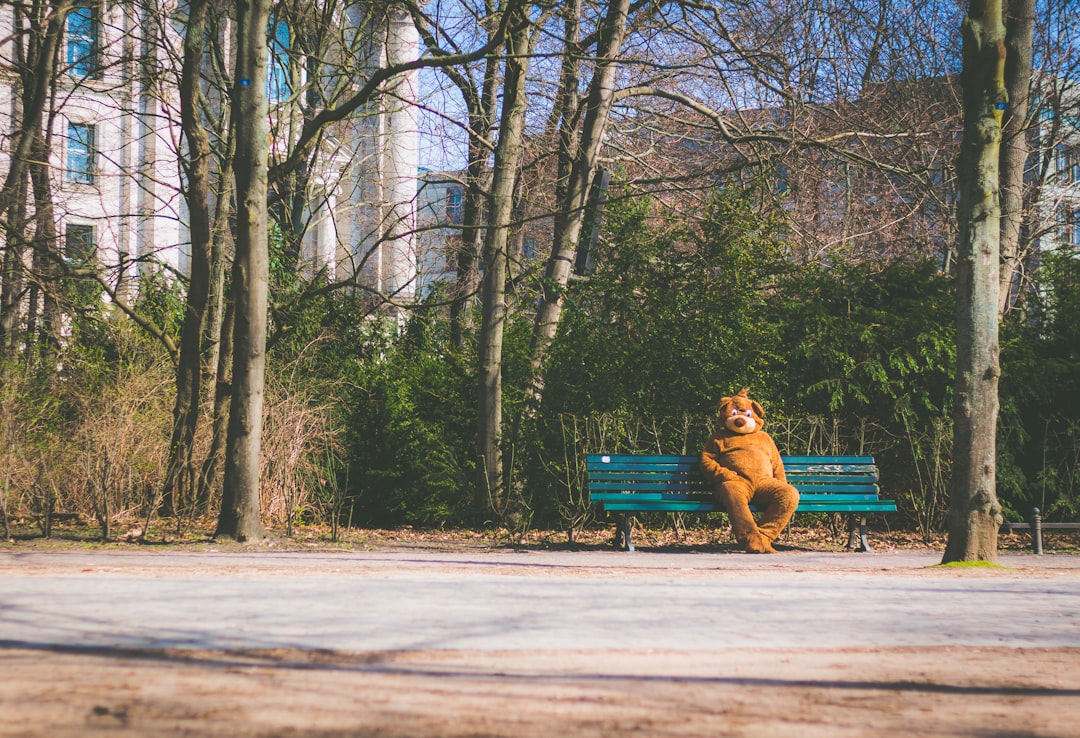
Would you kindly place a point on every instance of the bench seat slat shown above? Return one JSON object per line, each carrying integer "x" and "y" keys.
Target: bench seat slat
{"x": 685, "y": 495}
{"x": 702, "y": 506}
{"x": 648, "y": 476}
{"x": 688, "y": 484}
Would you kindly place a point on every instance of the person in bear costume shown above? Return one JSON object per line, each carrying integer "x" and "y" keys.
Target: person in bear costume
{"x": 744, "y": 465}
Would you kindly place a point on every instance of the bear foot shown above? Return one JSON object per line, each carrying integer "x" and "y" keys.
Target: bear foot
{"x": 756, "y": 543}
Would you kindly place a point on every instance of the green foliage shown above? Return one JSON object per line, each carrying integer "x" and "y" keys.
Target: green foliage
{"x": 670, "y": 320}
{"x": 869, "y": 340}
{"x": 1039, "y": 438}
{"x": 412, "y": 427}
{"x": 162, "y": 301}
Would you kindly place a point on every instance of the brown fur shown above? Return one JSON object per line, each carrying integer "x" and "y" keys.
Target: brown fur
{"x": 745, "y": 467}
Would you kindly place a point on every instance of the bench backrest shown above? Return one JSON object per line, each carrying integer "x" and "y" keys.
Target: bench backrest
{"x": 681, "y": 475}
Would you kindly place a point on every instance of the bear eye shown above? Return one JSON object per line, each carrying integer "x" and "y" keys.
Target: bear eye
{"x": 734, "y": 411}
{"x": 749, "y": 412}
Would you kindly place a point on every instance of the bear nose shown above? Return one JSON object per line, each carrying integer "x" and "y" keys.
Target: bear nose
{"x": 739, "y": 422}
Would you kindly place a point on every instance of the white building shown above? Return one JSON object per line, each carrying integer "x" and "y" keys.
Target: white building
{"x": 116, "y": 175}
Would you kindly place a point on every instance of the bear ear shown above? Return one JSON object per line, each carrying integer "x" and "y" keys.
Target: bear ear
{"x": 723, "y": 401}
{"x": 758, "y": 409}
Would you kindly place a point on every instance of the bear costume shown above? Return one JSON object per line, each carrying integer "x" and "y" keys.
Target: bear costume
{"x": 745, "y": 467}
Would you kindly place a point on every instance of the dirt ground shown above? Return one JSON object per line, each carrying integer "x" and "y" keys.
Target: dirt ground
{"x": 805, "y": 693}
{"x": 809, "y": 693}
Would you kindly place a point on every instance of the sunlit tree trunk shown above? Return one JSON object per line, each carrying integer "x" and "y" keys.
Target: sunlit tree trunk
{"x": 240, "y": 509}
{"x": 974, "y": 511}
{"x": 47, "y": 259}
{"x": 39, "y": 28}
{"x": 1019, "y": 25}
{"x": 189, "y": 365}
{"x": 584, "y": 156}
{"x": 493, "y": 286}
{"x": 477, "y": 179}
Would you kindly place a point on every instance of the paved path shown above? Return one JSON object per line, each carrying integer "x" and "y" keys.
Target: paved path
{"x": 553, "y": 601}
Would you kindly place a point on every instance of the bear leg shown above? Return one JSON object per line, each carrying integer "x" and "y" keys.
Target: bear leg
{"x": 735, "y": 498}
{"x": 758, "y": 543}
{"x": 779, "y": 501}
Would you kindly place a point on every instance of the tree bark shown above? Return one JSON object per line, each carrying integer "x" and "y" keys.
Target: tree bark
{"x": 571, "y": 212}
{"x": 47, "y": 259}
{"x": 240, "y": 509}
{"x": 974, "y": 511}
{"x": 1019, "y": 25}
{"x": 189, "y": 365}
{"x": 35, "y": 44}
{"x": 493, "y": 286}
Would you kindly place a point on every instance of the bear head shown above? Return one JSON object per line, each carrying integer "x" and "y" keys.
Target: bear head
{"x": 740, "y": 414}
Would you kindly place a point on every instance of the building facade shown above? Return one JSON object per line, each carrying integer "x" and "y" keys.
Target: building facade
{"x": 115, "y": 165}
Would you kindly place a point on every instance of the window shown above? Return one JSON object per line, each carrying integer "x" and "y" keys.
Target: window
{"x": 78, "y": 244}
{"x": 80, "y": 153}
{"x": 1068, "y": 163}
{"x": 455, "y": 204}
{"x": 1072, "y": 228}
{"x": 83, "y": 42}
{"x": 277, "y": 75}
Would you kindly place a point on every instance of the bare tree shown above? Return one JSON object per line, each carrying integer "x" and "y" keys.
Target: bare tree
{"x": 38, "y": 29}
{"x": 1016, "y": 131}
{"x": 508, "y": 153}
{"x": 974, "y": 511}
{"x": 189, "y": 368}
{"x": 584, "y": 153}
{"x": 239, "y": 517}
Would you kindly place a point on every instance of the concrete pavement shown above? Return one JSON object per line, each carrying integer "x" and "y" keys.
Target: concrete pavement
{"x": 536, "y": 600}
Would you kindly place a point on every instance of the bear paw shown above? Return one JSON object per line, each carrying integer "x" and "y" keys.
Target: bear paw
{"x": 759, "y": 544}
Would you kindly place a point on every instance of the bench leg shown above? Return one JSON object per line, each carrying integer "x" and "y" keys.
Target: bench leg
{"x": 857, "y": 542}
{"x": 622, "y": 536}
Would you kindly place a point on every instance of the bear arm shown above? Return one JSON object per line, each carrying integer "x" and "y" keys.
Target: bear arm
{"x": 777, "y": 463}
{"x": 711, "y": 467}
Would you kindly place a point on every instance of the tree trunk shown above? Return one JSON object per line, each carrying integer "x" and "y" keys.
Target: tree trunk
{"x": 1020, "y": 22}
{"x": 47, "y": 259}
{"x": 482, "y": 106}
{"x": 240, "y": 507}
{"x": 12, "y": 278}
{"x": 34, "y": 48}
{"x": 974, "y": 512}
{"x": 493, "y": 287}
{"x": 222, "y": 398}
{"x": 189, "y": 365}
{"x": 571, "y": 211}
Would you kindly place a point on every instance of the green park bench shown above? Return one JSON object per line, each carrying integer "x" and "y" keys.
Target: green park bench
{"x": 624, "y": 484}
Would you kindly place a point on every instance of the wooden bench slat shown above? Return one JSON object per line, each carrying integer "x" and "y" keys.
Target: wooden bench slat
{"x": 832, "y": 478}
{"x": 827, "y": 459}
{"x": 701, "y": 506}
{"x": 605, "y": 497}
{"x": 867, "y": 488}
{"x": 830, "y": 469}
{"x": 647, "y": 474}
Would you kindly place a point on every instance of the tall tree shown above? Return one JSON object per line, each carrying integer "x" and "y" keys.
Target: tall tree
{"x": 1019, "y": 26}
{"x": 974, "y": 511}
{"x": 38, "y": 28}
{"x": 239, "y": 517}
{"x": 495, "y": 260}
{"x": 584, "y": 153}
{"x": 189, "y": 365}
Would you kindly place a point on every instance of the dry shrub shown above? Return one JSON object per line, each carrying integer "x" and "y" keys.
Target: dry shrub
{"x": 300, "y": 456}
{"x": 87, "y": 444}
